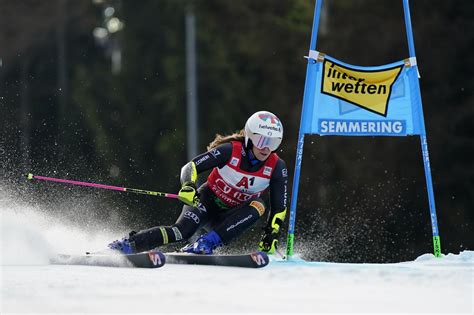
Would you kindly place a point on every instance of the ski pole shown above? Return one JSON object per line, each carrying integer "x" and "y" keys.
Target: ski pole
{"x": 280, "y": 254}
{"x": 132, "y": 190}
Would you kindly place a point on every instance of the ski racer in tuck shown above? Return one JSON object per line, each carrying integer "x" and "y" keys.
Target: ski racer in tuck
{"x": 244, "y": 165}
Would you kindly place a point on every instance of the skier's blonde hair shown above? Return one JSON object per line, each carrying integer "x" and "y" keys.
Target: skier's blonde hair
{"x": 220, "y": 139}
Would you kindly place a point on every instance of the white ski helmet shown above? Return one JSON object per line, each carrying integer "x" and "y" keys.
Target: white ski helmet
{"x": 265, "y": 130}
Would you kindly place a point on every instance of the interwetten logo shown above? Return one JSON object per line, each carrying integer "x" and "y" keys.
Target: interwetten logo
{"x": 367, "y": 89}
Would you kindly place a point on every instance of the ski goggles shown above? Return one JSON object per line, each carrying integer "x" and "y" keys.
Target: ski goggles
{"x": 261, "y": 142}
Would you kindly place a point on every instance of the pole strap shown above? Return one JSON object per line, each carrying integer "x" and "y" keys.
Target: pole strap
{"x": 316, "y": 56}
{"x": 411, "y": 62}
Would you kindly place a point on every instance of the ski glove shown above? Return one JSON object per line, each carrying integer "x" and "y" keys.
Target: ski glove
{"x": 189, "y": 195}
{"x": 269, "y": 241}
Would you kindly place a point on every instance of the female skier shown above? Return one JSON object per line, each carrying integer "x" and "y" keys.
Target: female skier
{"x": 243, "y": 165}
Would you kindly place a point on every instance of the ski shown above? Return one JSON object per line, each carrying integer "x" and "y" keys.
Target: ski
{"x": 150, "y": 259}
{"x": 252, "y": 260}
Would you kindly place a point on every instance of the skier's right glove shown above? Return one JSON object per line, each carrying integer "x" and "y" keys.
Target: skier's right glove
{"x": 269, "y": 241}
{"x": 189, "y": 195}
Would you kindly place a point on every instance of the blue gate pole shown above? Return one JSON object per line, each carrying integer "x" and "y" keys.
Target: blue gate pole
{"x": 308, "y": 98}
{"x": 424, "y": 141}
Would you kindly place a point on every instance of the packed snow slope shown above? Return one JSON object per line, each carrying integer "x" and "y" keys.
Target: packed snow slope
{"x": 30, "y": 284}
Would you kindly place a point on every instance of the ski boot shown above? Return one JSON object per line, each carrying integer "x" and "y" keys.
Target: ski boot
{"x": 124, "y": 246}
{"x": 204, "y": 244}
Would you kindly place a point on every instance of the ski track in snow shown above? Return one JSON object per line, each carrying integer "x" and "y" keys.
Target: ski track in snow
{"x": 29, "y": 284}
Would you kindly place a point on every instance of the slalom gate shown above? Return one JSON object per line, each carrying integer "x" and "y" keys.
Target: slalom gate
{"x": 347, "y": 100}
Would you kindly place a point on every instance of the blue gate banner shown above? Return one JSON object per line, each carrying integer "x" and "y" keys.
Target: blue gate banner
{"x": 363, "y": 101}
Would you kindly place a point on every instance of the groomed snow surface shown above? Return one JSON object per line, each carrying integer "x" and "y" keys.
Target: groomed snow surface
{"x": 30, "y": 285}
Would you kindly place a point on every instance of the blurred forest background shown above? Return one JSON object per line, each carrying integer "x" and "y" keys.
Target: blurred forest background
{"x": 96, "y": 91}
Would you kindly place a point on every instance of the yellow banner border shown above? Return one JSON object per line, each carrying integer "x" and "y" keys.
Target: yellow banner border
{"x": 361, "y": 70}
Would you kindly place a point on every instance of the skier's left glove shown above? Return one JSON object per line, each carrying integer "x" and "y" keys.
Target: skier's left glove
{"x": 269, "y": 241}
{"x": 189, "y": 194}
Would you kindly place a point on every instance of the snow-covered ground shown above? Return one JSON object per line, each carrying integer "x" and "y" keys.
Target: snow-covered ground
{"x": 30, "y": 285}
